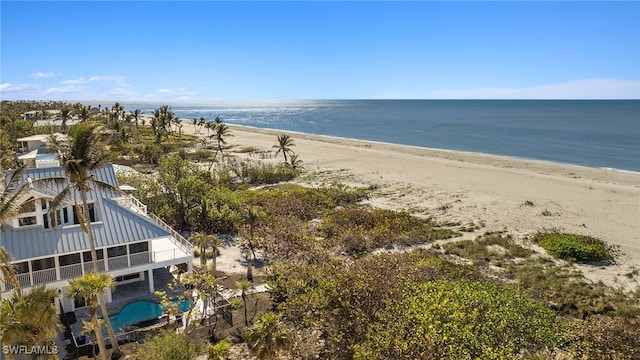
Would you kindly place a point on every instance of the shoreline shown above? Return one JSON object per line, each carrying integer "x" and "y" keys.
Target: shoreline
{"x": 458, "y": 155}
{"x": 490, "y": 191}
{"x": 463, "y": 154}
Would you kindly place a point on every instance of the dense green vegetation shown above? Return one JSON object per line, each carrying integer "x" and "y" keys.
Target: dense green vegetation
{"x": 574, "y": 247}
{"x": 347, "y": 280}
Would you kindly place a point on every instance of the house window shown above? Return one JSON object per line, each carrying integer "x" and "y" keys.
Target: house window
{"x": 28, "y": 220}
{"x": 28, "y": 216}
{"x": 87, "y": 255}
{"x": 138, "y": 247}
{"x": 92, "y": 213}
{"x": 117, "y": 251}
{"x": 42, "y": 264}
{"x": 70, "y": 259}
{"x": 22, "y": 267}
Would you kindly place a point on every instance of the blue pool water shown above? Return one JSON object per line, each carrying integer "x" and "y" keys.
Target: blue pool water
{"x": 138, "y": 311}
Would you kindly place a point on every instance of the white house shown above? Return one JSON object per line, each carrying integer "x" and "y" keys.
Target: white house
{"x": 130, "y": 243}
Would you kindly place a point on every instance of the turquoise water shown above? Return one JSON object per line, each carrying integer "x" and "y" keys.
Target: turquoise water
{"x": 138, "y": 311}
{"x": 599, "y": 133}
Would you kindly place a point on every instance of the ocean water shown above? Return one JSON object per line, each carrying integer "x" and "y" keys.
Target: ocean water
{"x": 597, "y": 133}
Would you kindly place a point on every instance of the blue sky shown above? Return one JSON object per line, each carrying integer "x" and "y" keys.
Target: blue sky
{"x": 318, "y": 50}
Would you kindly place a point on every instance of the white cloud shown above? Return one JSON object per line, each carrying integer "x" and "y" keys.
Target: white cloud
{"x": 10, "y": 91}
{"x": 41, "y": 75}
{"x": 63, "y": 90}
{"x": 578, "y": 89}
{"x": 182, "y": 93}
{"x": 79, "y": 81}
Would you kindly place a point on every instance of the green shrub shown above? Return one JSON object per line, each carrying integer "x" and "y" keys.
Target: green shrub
{"x": 255, "y": 173}
{"x": 169, "y": 345}
{"x": 360, "y": 230}
{"x": 460, "y": 320}
{"x": 574, "y": 247}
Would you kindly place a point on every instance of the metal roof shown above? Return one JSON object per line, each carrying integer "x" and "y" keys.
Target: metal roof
{"x": 116, "y": 225}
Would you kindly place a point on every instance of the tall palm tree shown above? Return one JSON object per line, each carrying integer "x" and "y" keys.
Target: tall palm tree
{"x": 221, "y": 131}
{"x": 29, "y": 318}
{"x": 84, "y": 155}
{"x": 285, "y": 142}
{"x": 91, "y": 287}
{"x": 268, "y": 336}
{"x": 244, "y": 287}
{"x": 250, "y": 217}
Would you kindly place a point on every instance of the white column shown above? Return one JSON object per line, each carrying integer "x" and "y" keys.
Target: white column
{"x": 151, "y": 287}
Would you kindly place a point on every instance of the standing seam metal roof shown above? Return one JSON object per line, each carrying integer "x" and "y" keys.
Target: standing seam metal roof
{"x": 116, "y": 225}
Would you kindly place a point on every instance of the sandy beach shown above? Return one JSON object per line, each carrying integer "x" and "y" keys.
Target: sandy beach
{"x": 497, "y": 193}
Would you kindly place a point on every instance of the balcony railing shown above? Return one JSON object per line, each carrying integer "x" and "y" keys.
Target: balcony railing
{"x": 76, "y": 270}
{"x": 177, "y": 238}
{"x": 70, "y": 271}
{"x": 44, "y": 276}
{"x": 130, "y": 201}
{"x": 140, "y": 258}
{"x": 88, "y": 266}
{"x": 160, "y": 256}
{"x": 118, "y": 262}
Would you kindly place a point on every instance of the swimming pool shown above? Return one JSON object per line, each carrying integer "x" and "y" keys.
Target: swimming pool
{"x": 138, "y": 311}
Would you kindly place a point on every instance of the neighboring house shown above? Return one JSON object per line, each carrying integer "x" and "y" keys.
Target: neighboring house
{"x": 34, "y": 152}
{"x": 130, "y": 243}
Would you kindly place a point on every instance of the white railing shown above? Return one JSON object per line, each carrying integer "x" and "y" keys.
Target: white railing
{"x": 140, "y": 258}
{"x": 160, "y": 256}
{"x": 131, "y": 201}
{"x": 118, "y": 262}
{"x": 23, "y": 279}
{"x": 44, "y": 276}
{"x": 88, "y": 266}
{"x": 178, "y": 239}
{"x": 70, "y": 271}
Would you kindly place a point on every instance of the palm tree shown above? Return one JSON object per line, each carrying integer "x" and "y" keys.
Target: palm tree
{"x": 7, "y": 270}
{"x": 250, "y": 217}
{"x": 285, "y": 142}
{"x": 204, "y": 241}
{"x": 210, "y": 126}
{"x": 136, "y": 116}
{"x": 195, "y": 124}
{"x": 29, "y": 318}
{"x": 84, "y": 114}
{"x": 268, "y": 336}
{"x": 91, "y": 287}
{"x": 244, "y": 287}
{"x": 221, "y": 131}
{"x": 12, "y": 192}
{"x": 85, "y": 155}
{"x": 65, "y": 113}
{"x": 295, "y": 162}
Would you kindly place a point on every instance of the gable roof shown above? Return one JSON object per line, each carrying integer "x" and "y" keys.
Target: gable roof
{"x": 117, "y": 225}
